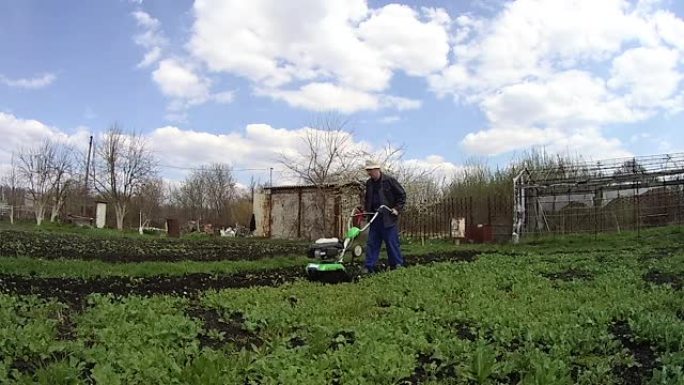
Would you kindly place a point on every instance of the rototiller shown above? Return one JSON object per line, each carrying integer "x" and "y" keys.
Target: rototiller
{"x": 330, "y": 252}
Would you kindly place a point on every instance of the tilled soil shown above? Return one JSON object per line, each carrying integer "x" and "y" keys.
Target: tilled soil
{"x": 229, "y": 329}
{"x": 665, "y": 278}
{"x": 428, "y": 366}
{"x": 74, "y": 290}
{"x": 30, "y": 364}
{"x": 643, "y": 352}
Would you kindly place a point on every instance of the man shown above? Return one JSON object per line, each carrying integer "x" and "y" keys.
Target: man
{"x": 382, "y": 189}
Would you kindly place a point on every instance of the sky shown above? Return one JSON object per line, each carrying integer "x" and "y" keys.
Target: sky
{"x": 241, "y": 82}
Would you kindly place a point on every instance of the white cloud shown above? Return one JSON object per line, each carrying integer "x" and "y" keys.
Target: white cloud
{"x": 532, "y": 38}
{"x": 389, "y": 119}
{"x": 326, "y": 96}
{"x": 591, "y": 144}
{"x": 259, "y": 146}
{"x": 18, "y": 134}
{"x": 151, "y": 38}
{"x": 658, "y": 142}
{"x": 225, "y": 97}
{"x": 180, "y": 82}
{"x": 676, "y": 104}
{"x": 568, "y": 99}
{"x": 151, "y": 57}
{"x": 338, "y": 46}
{"x": 250, "y": 39}
{"x": 146, "y": 21}
{"x": 503, "y": 139}
{"x": 670, "y": 28}
{"x": 405, "y": 42}
{"x": 400, "y": 103}
{"x": 40, "y": 81}
{"x": 552, "y": 73}
{"x": 639, "y": 137}
{"x": 651, "y": 88}
{"x": 436, "y": 166}
{"x": 185, "y": 88}
{"x": 588, "y": 142}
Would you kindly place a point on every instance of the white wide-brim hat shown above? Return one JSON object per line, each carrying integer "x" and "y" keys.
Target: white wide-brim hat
{"x": 372, "y": 165}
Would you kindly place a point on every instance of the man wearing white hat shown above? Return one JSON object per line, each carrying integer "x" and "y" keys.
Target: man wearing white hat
{"x": 383, "y": 189}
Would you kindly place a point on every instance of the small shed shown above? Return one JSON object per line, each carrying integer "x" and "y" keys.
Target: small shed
{"x": 305, "y": 211}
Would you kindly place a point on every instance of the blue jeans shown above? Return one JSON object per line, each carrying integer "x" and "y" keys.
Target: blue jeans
{"x": 376, "y": 234}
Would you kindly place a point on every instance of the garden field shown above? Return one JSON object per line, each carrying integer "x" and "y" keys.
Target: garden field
{"x": 79, "y": 308}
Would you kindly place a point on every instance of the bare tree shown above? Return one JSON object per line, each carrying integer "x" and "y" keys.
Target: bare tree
{"x": 253, "y": 183}
{"x": 12, "y": 192}
{"x": 220, "y": 184}
{"x": 34, "y": 170}
{"x": 422, "y": 183}
{"x": 327, "y": 157}
{"x": 124, "y": 164}
{"x": 45, "y": 171}
{"x": 192, "y": 196}
{"x": 64, "y": 181}
{"x": 208, "y": 193}
{"x": 149, "y": 200}
{"x": 241, "y": 208}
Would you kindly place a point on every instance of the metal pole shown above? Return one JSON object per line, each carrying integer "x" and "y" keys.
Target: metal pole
{"x": 87, "y": 172}
{"x": 518, "y": 209}
{"x": 638, "y": 212}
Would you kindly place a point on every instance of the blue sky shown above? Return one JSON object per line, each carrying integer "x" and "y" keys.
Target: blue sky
{"x": 237, "y": 82}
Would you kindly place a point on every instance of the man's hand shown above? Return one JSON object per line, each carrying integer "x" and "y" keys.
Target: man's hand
{"x": 394, "y": 212}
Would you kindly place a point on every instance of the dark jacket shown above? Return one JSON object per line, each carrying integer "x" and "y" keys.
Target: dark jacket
{"x": 392, "y": 195}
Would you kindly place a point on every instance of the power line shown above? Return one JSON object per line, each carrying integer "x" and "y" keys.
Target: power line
{"x": 205, "y": 168}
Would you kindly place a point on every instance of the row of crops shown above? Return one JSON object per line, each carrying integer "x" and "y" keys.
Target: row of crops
{"x": 51, "y": 245}
{"x": 566, "y": 311}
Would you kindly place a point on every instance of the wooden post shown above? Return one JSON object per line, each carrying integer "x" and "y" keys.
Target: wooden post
{"x": 269, "y": 198}
{"x": 299, "y": 213}
{"x": 489, "y": 210}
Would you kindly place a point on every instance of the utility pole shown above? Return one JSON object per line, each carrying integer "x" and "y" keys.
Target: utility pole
{"x": 87, "y": 172}
{"x": 270, "y": 178}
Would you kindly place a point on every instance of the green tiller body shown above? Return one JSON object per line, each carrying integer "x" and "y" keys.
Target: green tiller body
{"x": 329, "y": 253}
